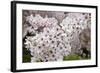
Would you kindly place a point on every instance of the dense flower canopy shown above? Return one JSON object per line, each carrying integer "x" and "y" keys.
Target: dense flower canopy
{"x": 50, "y": 41}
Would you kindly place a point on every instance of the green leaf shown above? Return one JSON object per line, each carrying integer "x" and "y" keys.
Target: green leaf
{"x": 26, "y": 58}
{"x": 26, "y": 55}
{"x": 71, "y": 57}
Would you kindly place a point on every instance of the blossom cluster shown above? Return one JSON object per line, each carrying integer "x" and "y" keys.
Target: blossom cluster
{"x": 53, "y": 41}
{"x": 75, "y": 23}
